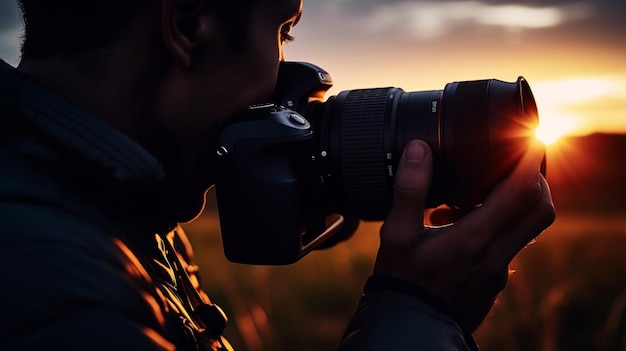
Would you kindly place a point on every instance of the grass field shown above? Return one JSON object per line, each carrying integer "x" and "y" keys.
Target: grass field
{"x": 568, "y": 292}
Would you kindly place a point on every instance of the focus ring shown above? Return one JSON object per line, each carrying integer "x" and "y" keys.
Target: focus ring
{"x": 362, "y": 154}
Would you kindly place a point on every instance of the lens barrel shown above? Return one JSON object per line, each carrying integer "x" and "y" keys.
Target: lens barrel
{"x": 477, "y": 131}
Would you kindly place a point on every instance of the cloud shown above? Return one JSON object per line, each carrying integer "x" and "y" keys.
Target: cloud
{"x": 9, "y": 14}
{"x": 431, "y": 19}
{"x": 579, "y": 88}
{"x": 10, "y": 45}
{"x": 10, "y": 31}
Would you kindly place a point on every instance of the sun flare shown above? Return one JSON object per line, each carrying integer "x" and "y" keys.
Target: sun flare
{"x": 565, "y": 106}
{"x": 552, "y": 127}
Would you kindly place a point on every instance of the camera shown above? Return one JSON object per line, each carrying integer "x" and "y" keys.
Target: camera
{"x": 298, "y": 171}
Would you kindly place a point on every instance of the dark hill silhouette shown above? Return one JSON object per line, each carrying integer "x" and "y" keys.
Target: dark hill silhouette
{"x": 589, "y": 173}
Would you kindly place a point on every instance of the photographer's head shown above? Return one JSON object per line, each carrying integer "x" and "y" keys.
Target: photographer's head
{"x": 167, "y": 73}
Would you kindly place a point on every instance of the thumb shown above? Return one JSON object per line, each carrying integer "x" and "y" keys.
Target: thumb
{"x": 412, "y": 182}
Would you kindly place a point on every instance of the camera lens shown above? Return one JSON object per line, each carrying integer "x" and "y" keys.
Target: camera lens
{"x": 477, "y": 131}
{"x": 286, "y": 187}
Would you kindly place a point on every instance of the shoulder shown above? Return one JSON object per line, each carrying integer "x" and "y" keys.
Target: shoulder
{"x": 65, "y": 268}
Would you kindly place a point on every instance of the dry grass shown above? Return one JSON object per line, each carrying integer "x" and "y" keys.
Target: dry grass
{"x": 568, "y": 292}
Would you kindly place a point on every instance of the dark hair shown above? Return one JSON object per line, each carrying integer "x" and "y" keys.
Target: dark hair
{"x": 71, "y": 27}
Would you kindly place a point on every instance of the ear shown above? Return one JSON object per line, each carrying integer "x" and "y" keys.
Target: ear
{"x": 184, "y": 25}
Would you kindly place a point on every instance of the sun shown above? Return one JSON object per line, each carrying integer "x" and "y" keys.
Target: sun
{"x": 557, "y": 101}
{"x": 547, "y": 136}
{"x": 552, "y": 127}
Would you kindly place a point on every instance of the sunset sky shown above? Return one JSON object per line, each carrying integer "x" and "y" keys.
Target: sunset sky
{"x": 573, "y": 53}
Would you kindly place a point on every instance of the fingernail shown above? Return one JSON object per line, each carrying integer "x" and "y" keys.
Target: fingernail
{"x": 415, "y": 151}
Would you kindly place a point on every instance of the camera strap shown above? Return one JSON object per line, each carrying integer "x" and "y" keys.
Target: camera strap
{"x": 194, "y": 311}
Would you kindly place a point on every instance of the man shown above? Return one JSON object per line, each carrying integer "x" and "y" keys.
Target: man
{"x": 107, "y": 135}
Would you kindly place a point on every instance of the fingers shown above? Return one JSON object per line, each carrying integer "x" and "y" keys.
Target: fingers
{"x": 521, "y": 189}
{"x": 493, "y": 266}
{"x": 511, "y": 198}
{"x": 514, "y": 213}
{"x": 464, "y": 264}
{"x": 412, "y": 182}
{"x": 516, "y": 235}
{"x": 539, "y": 217}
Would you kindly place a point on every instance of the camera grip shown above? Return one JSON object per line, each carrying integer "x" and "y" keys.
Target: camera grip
{"x": 267, "y": 192}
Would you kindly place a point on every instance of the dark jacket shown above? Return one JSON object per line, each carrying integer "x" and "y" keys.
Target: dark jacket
{"x": 91, "y": 259}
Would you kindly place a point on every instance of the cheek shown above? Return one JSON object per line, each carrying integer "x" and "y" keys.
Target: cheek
{"x": 265, "y": 61}
{"x": 268, "y": 82}
{"x": 196, "y": 104}
{"x": 189, "y": 110}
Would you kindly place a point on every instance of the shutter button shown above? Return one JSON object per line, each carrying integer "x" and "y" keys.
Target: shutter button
{"x": 297, "y": 119}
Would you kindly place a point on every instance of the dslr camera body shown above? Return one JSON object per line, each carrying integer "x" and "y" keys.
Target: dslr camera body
{"x": 298, "y": 173}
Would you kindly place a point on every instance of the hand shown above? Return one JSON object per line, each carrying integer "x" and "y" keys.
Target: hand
{"x": 464, "y": 264}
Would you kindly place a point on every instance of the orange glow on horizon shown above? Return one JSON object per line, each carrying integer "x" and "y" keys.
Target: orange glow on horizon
{"x": 579, "y": 106}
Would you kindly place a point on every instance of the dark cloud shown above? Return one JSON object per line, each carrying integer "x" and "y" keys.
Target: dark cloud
{"x": 402, "y": 22}
{"x": 10, "y": 30}
{"x": 608, "y": 14}
{"x": 9, "y": 15}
